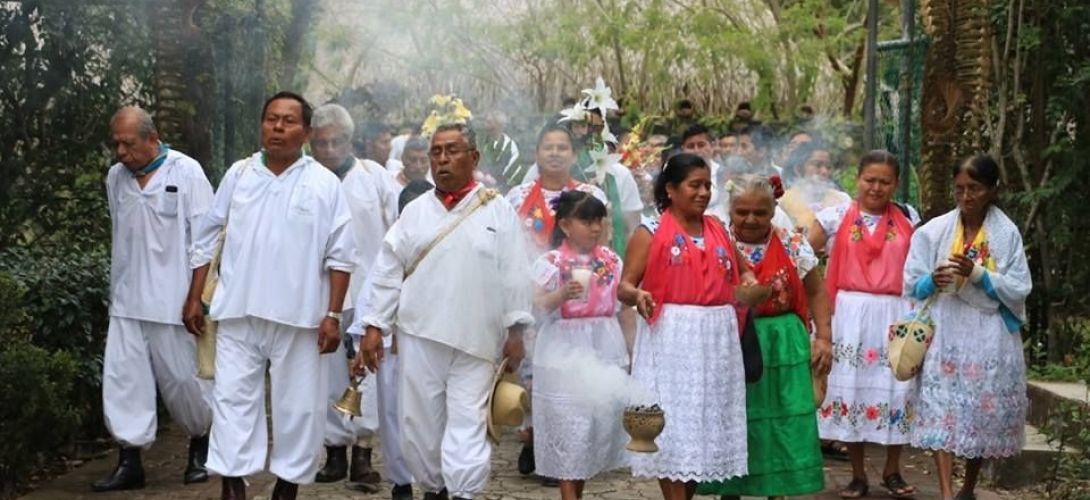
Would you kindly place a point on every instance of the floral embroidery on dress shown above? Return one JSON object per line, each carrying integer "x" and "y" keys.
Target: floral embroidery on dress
{"x": 879, "y": 415}
{"x": 722, "y": 258}
{"x": 857, "y": 229}
{"x": 602, "y": 270}
{"x": 856, "y": 355}
{"x": 677, "y": 250}
{"x": 535, "y": 220}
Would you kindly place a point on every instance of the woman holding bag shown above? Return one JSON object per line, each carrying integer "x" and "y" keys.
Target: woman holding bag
{"x": 971, "y": 401}
{"x": 867, "y": 242}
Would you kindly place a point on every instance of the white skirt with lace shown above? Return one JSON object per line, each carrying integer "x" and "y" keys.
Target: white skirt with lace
{"x": 577, "y": 429}
{"x": 691, "y": 362}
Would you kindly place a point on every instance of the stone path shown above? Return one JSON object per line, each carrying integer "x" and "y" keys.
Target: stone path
{"x": 165, "y": 461}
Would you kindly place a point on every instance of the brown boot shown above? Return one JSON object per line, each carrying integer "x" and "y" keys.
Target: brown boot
{"x": 284, "y": 490}
{"x": 233, "y": 488}
{"x": 360, "y": 471}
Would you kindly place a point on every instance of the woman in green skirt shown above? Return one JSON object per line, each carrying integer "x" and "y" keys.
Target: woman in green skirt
{"x": 784, "y": 450}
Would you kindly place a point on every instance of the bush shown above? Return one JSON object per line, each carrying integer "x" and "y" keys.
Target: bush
{"x": 36, "y": 413}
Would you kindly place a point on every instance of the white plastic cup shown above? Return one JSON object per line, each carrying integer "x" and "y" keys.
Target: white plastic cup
{"x": 582, "y": 275}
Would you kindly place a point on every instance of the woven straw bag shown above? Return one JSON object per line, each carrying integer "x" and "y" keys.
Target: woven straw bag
{"x": 909, "y": 339}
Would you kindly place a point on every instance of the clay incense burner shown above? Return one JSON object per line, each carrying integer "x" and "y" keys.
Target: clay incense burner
{"x": 643, "y": 424}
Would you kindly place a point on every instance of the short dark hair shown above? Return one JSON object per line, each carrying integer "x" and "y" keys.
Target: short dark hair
{"x": 695, "y": 130}
{"x": 685, "y": 103}
{"x": 744, "y": 105}
{"x": 880, "y": 156}
{"x": 759, "y": 134}
{"x": 416, "y": 144}
{"x": 793, "y": 167}
{"x": 981, "y": 168}
{"x": 308, "y": 111}
{"x": 674, "y": 172}
{"x": 554, "y": 127}
{"x": 575, "y": 205}
{"x": 467, "y": 132}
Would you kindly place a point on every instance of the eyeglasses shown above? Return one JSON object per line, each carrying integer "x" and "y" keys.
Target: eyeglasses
{"x": 451, "y": 151}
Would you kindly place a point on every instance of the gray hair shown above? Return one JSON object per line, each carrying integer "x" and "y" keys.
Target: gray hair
{"x": 145, "y": 126}
{"x": 334, "y": 115}
{"x": 749, "y": 184}
{"x": 417, "y": 144}
{"x": 467, "y": 132}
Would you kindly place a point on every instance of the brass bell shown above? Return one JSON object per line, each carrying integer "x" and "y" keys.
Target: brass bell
{"x": 350, "y": 402}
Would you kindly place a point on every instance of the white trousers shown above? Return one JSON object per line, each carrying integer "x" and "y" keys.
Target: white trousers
{"x": 139, "y": 356}
{"x": 239, "y": 441}
{"x": 397, "y": 471}
{"x": 340, "y": 430}
{"x": 443, "y": 395}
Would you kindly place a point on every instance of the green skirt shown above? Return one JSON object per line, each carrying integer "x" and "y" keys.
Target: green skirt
{"x": 784, "y": 450}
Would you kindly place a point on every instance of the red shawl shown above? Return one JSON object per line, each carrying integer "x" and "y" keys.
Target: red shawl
{"x": 538, "y": 215}
{"x": 869, "y": 262}
{"x": 777, "y": 270}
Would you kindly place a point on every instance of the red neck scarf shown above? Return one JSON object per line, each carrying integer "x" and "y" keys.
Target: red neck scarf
{"x": 679, "y": 272}
{"x": 777, "y": 270}
{"x": 451, "y": 199}
{"x": 538, "y": 215}
{"x": 869, "y": 262}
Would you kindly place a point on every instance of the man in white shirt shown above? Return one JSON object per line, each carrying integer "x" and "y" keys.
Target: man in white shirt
{"x": 372, "y": 199}
{"x": 451, "y": 301}
{"x": 155, "y": 196}
{"x": 287, "y": 255}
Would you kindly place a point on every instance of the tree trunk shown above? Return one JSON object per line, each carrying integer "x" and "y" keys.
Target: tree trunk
{"x": 302, "y": 16}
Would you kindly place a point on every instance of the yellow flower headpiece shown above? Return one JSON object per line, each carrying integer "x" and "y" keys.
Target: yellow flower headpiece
{"x": 446, "y": 109}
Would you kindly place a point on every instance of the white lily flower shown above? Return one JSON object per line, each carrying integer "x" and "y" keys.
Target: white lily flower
{"x": 574, "y": 114}
{"x": 600, "y": 161}
{"x": 600, "y": 97}
{"x": 607, "y": 135}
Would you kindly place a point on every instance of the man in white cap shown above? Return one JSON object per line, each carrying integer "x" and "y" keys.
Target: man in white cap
{"x": 156, "y": 195}
{"x": 452, "y": 275}
{"x": 372, "y": 197}
{"x": 287, "y": 255}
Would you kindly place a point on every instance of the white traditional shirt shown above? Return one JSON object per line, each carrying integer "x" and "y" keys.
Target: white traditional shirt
{"x": 372, "y": 198}
{"x": 152, "y": 229}
{"x": 471, "y": 286}
{"x": 285, "y": 233}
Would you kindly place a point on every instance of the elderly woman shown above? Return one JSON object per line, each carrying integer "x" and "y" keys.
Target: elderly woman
{"x": 533, "y": 200}
{"x": 784, "y": 454}
{"x": 680, "y": 273}
{"x": 971, "y": 265}
{"x": 867, "y": 243}
{"x": 809, "y": 172}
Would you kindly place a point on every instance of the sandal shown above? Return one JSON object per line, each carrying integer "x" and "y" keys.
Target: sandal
{"x": 856, "y": 489}
{"x": 835, "y": 450}
{"x": 897, "y": 486}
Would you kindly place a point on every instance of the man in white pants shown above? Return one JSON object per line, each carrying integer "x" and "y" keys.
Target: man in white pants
{"x": 453, "y": 304}
{"x": 284, "y": 271}
{"x": 372, "y": 197}
{"x": 155, "y": 195}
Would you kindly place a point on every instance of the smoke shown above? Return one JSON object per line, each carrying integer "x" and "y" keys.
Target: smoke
{"x": 589, "y": 380}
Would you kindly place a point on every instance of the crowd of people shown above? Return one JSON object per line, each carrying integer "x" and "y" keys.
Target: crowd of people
{"x": 429, "y": 263}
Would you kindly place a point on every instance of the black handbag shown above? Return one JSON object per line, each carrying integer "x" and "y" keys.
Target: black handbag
{"x": 752, "y": 360}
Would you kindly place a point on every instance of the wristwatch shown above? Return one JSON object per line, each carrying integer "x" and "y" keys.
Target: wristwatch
{"x": 334, "y": 315}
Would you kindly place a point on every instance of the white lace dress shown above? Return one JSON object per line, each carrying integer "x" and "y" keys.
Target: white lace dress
{"x": 691, "y": 361}
{"x": 577, "y": 430}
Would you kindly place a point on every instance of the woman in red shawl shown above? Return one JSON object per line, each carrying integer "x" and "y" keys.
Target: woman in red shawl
{"x": 867, "y": 242}
{"x": 680, "y": 272}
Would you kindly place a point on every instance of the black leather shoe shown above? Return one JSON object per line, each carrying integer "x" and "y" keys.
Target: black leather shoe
{"x": 128, "y": 475}
{"x": 526, "y": 460}
{"x": 336, "y": 465}
{"x": 233, "y": 488}
{"x": 550, "y": 482}
{"x": 284, "y": 490}
{"x": 441, "y": 495}
{"x": 402, "y": 492}
{"x": 360, "y": 471}
{"x": 198, "y": 455}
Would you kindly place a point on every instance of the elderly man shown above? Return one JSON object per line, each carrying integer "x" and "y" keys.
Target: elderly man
{"x": 287, "y": 255}
{"x": 155, "y": 195}
{"x": 452, "y": 275}
{"x": 372, "y": 199}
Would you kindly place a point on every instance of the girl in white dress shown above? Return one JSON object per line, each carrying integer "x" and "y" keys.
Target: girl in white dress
{"x": 576, "y": 436}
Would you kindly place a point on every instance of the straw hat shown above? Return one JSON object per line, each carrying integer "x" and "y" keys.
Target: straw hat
{"x": 507, "y": 402}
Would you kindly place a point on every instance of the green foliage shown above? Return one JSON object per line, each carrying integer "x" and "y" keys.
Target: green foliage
{"x": 36, "y": 411}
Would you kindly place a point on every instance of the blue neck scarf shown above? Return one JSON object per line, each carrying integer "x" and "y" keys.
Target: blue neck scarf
{"x": 156, "y": 163}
